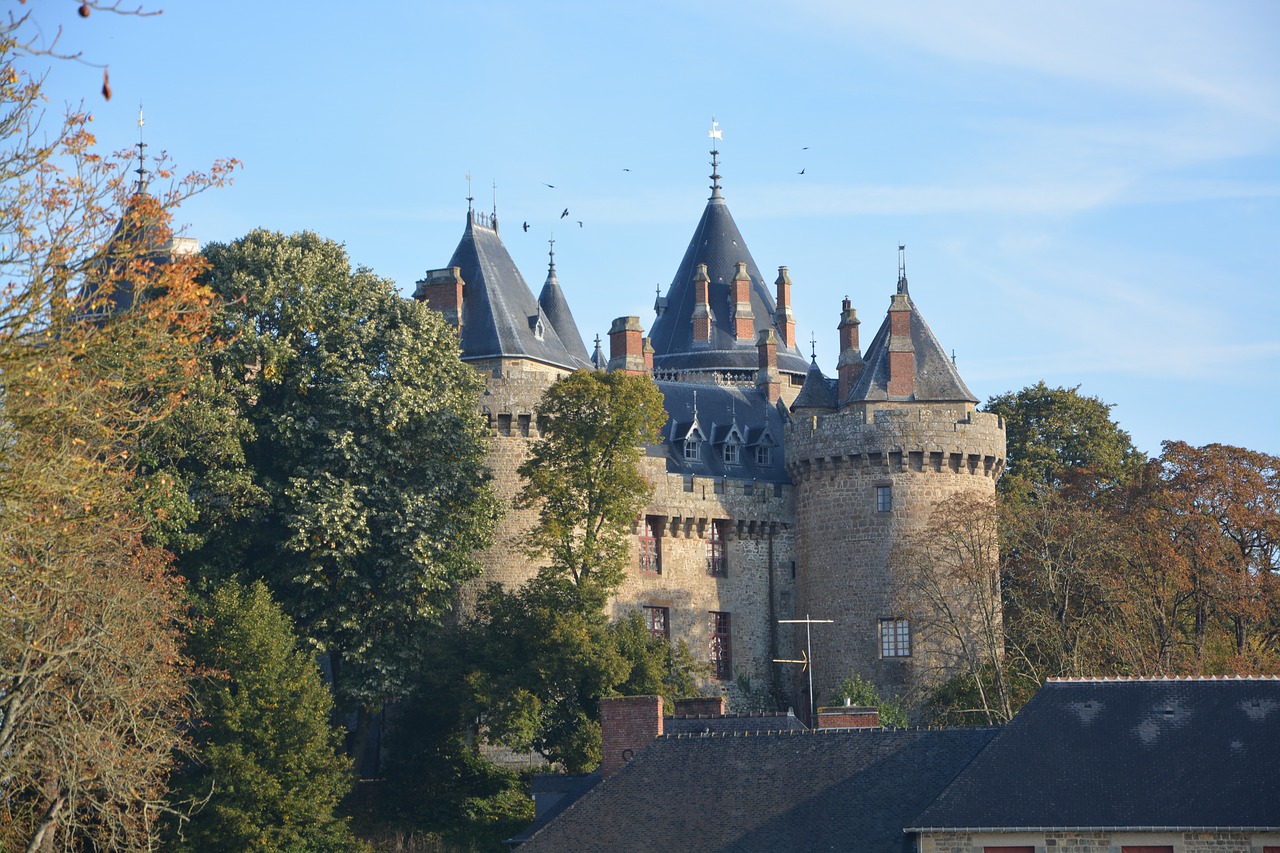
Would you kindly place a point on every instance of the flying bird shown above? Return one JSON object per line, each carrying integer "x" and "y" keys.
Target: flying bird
{"x": 806, "y": 148}
{"x": 801, "y": 172}
{"x": 625, "y": 169}
{"x": 579, "y": 223}
{"x": 526, "y": 226}
{"x": 553, "y": 186}
{"x": 566, "y": 213}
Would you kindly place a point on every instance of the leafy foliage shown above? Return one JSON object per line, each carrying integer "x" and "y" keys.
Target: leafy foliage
{"x": 364, "y": 453}
{"x": 860, "y": 691}
{"x": 1055, "y": 434}
{"x": 267, "y": 773}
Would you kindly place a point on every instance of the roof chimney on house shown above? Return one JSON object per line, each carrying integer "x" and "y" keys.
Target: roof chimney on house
{"x": 850, "y": 364}
{"x": 768, "y": 379}
{"x": 442, "y": 291}
{"x": 627, "y": 725}
{"x": 785, "y": 320}
{"x": 626, "y": 346}
{"x": 701, "y": 308}
{"x": 707, "y": 706}
{"x": 848, "y": 717}
{"x": 743, "y": 318}
{"x": 902, "y": 350}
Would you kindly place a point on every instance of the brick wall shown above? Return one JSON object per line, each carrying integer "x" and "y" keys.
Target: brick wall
{"x": 628, "y": 724}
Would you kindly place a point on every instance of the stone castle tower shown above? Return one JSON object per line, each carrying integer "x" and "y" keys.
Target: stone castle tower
{"x": 777, "y": 492}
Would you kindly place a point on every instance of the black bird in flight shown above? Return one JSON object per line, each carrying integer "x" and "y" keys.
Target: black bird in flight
{"x": 526, "y": 226}
{"x": 625, "y": 169}
{"x": 801, "y": 172}
{"x": 806, "y": 148}
{"x": 579, "y": 223}
{"x": 566, "y": 213}
{"x": 553, "y": 186}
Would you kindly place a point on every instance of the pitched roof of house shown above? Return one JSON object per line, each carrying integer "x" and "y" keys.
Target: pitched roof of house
{"x": 837, "y": 789}
{"x": 703, "y": 724}
{"x": 1115, "y": 754}
{"x": 936, "y": 377}
{"x": 500, "y": 316}
{"x": 718, "y": 243}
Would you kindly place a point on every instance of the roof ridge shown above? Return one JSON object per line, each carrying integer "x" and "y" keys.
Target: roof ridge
{"x": 1130, "y": 679}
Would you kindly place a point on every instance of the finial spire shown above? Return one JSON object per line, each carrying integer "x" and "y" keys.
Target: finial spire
{"x": 813, "y": 346}
{"x": 716, "y": 135}
{"x": 141, "y": 171}
{"x": 551, "y": 272}
{"x": 902, "y": 269}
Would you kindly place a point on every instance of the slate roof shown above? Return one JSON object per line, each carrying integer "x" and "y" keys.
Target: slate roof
{"x": 500, "y": 316}
{"x": 1116, "y": 754}
{"x": 718, "y": 407}
{"x": 936, "y": 377}
{"x": 718, "y": 243}
{"x": 557, "y": 310}
{"x": 700, "y": 724}
{"x": 826, "y": 790}
{"x": 818, "y": 392}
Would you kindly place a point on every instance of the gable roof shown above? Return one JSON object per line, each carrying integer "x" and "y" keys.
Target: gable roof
{"x": 936, "y": 378}
{"x": 1117, "y": 754}
{"x": 825, "y": 790}
{"x": 500, "y": 317}
{"x": 718, "y": 243}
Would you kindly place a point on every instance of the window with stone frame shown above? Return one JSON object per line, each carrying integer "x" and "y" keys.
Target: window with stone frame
{"x": 717, "y": 557}
{"x": 895, "y": 638}
{"x": 884, "y": 498}
{"x": 692, "y": 449}
{"x": 651, "y": 545}
{"x": 720, "y": 647}
{"x": 658, "y": 622}
{"x": 732, "y": 453}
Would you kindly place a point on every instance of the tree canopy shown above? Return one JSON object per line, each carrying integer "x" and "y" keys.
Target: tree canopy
{"x": 364, "y": 450}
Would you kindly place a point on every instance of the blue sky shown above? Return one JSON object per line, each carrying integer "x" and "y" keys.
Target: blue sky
{"x": 1089, "y": 192}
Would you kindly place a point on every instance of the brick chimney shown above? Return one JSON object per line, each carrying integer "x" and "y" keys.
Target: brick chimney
{"x": 626, "y": 346}
{"x": 647, "y": 347}
{"x": 708, "y": 706}
{"x": 442, "y": 291}
{"x": 701, "y": 308}
{"x": 768, "y": 379}
{"x": 743, "y": 318}
{"x": 848, "y": 717}
{"x": 627, "y": 725}
{"x": 902, "y": 352}
{"x": 850, "y": 364}
{"x": 785, "y": 320}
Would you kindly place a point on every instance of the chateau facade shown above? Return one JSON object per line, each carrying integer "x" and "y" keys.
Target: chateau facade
{"x": 779, "y": 493}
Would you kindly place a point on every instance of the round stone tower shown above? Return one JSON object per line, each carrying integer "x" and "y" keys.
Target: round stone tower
{"x": 903, "y": 435}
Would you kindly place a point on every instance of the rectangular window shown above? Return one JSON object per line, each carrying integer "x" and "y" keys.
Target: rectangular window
{"x": 688, "y": 483}
{"x": 651, "y": 546}
{"x": 523, "y": 422}
{"x": 655, "y": 619}
{"x": 764, "y": 455}
{"x": 731, "y": 453}
{"x": 884, "y": 498}
{"x": 895, "y": 638}
{"x": 691, "y": 449}
{"x": 717, "y": 565}
{"x": 720, "y": 650}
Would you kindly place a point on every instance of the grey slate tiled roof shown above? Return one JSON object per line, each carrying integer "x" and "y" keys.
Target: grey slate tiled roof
{"x": 700, "y": 724}
{"x": 557, "y": 310}
{"x": 818, "y": 392}
{"x": 827, "y": 790}
{"x": 500, "y": 316}
{"x": 1119, "y": 753}
{"x": 937, "y": 379}
{"x": 718, "y": 407}
{"x": 718, "y": 243}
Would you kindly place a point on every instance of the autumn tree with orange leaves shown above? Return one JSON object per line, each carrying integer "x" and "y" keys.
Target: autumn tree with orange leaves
{"x": 99, "y": 324}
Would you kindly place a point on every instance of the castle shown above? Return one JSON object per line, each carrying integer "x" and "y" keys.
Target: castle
{"x": 779, "y": 492}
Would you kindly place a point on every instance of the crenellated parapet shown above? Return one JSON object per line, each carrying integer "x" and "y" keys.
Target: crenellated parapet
{"x": 953, "y": 439}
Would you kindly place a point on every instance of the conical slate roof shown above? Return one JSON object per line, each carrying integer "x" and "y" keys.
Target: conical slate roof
{"x": 936, "y": 378}
{"x": 500, "y": 317}
{"x": 817, "y": 391}
{"x": 718, "y": 243}
{"x": 556, "y": 307}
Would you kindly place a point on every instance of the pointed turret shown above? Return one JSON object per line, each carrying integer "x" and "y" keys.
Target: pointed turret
{"x": 556, "y": 307}
{"x": 718, "y": 331}
{"x": 498, "y": 317}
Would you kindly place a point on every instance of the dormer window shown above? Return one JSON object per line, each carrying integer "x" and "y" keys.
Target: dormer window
{"x": 764, "y": 455}
{"x": 692, "y": 449}
{"x": 731, "y": 453}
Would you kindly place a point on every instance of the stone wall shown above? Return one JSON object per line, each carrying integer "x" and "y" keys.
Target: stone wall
{"x": 923, "y": 453}
{"x": 1082, "y": 841}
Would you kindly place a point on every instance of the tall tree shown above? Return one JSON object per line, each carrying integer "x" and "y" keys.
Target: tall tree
{"x": 92, "y": 682}
{"x": 366, "y": 446}
{"x": 267, "y": 772}
{"x": 1055, "y": 434}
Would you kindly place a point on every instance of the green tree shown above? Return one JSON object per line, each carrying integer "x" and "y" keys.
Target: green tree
{"x": 1055, "y": 434}
{"x": 584, "y": 475}
{"x": 267, "y": 771}
{"x": 860, "y": 691}
{"x": 365, "y": 450}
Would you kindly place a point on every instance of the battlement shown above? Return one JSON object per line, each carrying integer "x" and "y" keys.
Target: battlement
{"x": 938, "y": 438}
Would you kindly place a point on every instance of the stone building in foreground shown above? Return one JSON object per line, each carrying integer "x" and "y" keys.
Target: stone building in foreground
{"x": 779, "y": 491}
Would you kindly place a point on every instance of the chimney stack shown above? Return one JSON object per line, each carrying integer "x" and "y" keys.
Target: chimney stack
{"x": 785, "y": 320}
{"x": 442, "y": 291}
{"x": 743, "y": 318}
{"x": 849, "y": 366}
{"x": 627, "y": 725}
{"x": 848, "y": 717}
{"x": 768, "y": 379}
{"x": 902, "y": 351}
{"x": 701, "y": 308}
{"x": 626, "y": 346}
